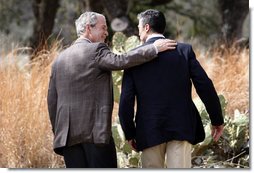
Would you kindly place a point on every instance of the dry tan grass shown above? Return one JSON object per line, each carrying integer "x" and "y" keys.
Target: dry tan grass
{"x": 25, "y": 130}
{"x": 229, "y": 70}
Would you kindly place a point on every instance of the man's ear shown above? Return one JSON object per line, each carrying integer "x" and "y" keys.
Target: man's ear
{"x": 147, "y": 27}
{"x": 88, "y": 28}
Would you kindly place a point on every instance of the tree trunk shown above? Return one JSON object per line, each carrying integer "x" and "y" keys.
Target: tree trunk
{"x": 155, "y": 2}
{"x": 233, "y": 14}
{"x": 117, "y": 13}
{"x": 92, "y": 5}
{"x": 44, "y": 12}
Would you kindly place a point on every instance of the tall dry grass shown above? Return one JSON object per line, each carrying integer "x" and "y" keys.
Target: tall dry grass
{"x": 229, "y": 71}
{"x": 25, "y": 130}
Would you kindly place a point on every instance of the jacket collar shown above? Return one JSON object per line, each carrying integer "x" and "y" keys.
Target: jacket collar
{"x": 82, "y": 40}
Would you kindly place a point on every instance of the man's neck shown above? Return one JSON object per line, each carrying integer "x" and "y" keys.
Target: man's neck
{"x": 83, "y": 37}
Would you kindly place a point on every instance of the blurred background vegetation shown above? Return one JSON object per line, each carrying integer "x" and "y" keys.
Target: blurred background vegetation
{"x": 33, "y": 32}
{"x": 31, "y": 22}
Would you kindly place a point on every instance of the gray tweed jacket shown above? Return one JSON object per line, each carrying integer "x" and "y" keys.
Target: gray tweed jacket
{"x": 80, "y": 97}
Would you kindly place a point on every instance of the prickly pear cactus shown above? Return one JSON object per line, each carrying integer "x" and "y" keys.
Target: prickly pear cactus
{"x": 122, "y": 44}
{"x": 118, "y": 42}
{"x": 131, "y": 43}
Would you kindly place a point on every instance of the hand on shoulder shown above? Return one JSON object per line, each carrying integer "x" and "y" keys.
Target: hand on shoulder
{"x": 165, "y": 44}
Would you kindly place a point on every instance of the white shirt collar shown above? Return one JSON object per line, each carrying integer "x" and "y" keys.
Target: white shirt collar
{"x": 154, "y": 35}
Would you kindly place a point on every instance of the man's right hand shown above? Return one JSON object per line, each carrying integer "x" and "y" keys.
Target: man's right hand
{"x": 133, "y": 144}
{"x": 165, "y": 44}
{"x": 217, "y": 132}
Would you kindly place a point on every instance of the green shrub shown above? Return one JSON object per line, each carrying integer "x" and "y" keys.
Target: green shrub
{"x": 229, "y": 150}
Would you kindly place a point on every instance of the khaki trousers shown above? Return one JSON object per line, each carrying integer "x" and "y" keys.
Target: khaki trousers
{"x": 177, "y": 154}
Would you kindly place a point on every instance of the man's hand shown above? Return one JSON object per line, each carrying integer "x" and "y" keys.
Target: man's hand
{"x": 165, "y": 44}
{"x": 217, "y": 132}
{"x": 133, "y": 145}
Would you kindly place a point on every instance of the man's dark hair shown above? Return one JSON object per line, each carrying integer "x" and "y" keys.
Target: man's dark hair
{"x": 155, "y": 19}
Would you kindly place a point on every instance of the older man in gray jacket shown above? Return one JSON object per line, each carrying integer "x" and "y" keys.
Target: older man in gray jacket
{"x": 80, "y": 97}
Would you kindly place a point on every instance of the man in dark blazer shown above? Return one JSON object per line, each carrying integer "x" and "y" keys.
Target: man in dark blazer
{"x": 80, "y": 97}
{"x": 167, "y": 122}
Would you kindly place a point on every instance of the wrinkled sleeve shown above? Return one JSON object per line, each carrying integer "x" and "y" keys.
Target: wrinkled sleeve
{"x": 107, "y": 60}
{"x": 205, "y": 89}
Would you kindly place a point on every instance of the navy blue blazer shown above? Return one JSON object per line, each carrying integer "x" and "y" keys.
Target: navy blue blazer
{"x": 162, "y": 89}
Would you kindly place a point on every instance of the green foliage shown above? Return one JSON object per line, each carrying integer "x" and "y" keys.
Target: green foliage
{"x": 229, "y": 150}
{"x": 131, "y": 42}
{"x": 16, "y": 20}
{"x": 195, "y": 19}
{"x": 118, "y": 42}
{"x": 117, "y": 80}
{"x": 127, "y": 158}
{"x": 121, "y": 44}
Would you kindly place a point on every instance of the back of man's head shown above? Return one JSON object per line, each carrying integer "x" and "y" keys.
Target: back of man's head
{"x": 89, "y": 18}
{"x": 155, "y": 19}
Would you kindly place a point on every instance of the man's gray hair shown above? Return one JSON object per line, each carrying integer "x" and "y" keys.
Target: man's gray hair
{"x": 84, "y": 19}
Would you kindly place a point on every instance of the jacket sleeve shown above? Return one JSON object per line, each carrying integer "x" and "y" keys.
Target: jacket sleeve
{"x": 126, "y": 106}
{"x": 109, "y": 61}
{"x": 205, "y": 89}
{"x": 52, "y": 98}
